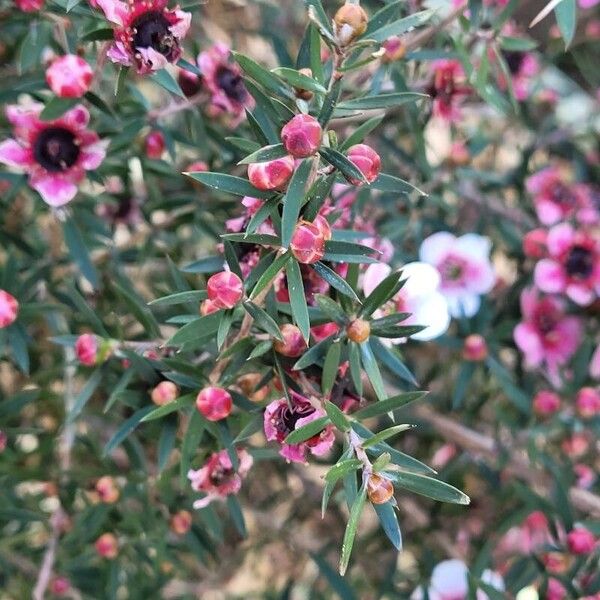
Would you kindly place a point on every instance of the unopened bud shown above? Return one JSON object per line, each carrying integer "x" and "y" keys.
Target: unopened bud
{"x": 350, "y": 22}
{"x": 358, "y": 331}
{"x": 379, "y": 489}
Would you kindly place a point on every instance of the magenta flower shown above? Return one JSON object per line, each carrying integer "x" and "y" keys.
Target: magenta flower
{"x": 546, "y": 336}
{"x": 448, "y": 88}
{"x": 523, "y": 67}
{"x": 147, "y": 34}
{"x": 9, "y": 309}
{"x": 280, "y": 420}
{"x": 223, "y": 79}
{"x": 573, "y": 265}
{"x": 555, "y": 198}
{"x": 55, "y": 154}
{"x": 217, "y": 478}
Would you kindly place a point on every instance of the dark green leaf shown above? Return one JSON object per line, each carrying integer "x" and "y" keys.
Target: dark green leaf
{"x": 334, "y": 280}
{"x": 297, "y": 298}
{"x": 389, "y": 523}
{"x": 348, "y": 169}
{"x": 293, "y": 200}
{"x": 388, "y": 405}
{"x": 57, "y": 107}
{"x": 307, "y": 431}
{"x": 229, "y": 184}
{"x": 351, "y": 527}
{"x": 263, "y": 320}
{"x": 168, "y": 82}
{"x": 126, "y": 429}
{"x": 264, "y": 154}
{"x": 171, "y": 407}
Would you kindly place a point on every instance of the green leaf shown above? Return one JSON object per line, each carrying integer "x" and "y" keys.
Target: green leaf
{"x": 126, "y": 429}
{"x": 166, "y": 443}
{"x": 99, "y": 34}
{"x": 390, "y": 359}
{"x": 79, "y": 252}
{"x": 209, "y": 264}
{"x": 361, "y": 132}
{"x": 262, "y": 76}
{"x": 331, "y": 309}
{"x": 380, "y": 101}
{"x": 401, "y": 26}
{"x": 330, "y": 368}
{"x": 297, "y": 298}
{"x": 338, "y": 584}
{"x": 307, "y": 431}
{"x": 355, "y": 369}
{"x": 566, "y": 17}
{"x": 313, "y": 355}
{"x": 57, "y": 107}
{"x": 384, "y": 291}
{"x": 17, "y": 402}
{"x": 319, "y": 14}
{"x": 342, "y": 468}
{"x": 139, "y": 309}
{"x": 386, "y": 434}
{"x": 394, "y": 185}
{"x": 299, "y": 80}
{"x": 85, "y": 394}
{"x": 293, "y": 200}
{"x": 169, "y": 408}
{"x": 261, "y": 239}
{"x": 390, "y": 11}
{"x": 190, "y": 443}
{"x": 335, "y": 280}
{"x": 389, "y": 523}
{"x": 264, "y": 154}
{"x": 428, "y": 486}
{"x": 338, "y": 418}
{"x": 168, "y": 82}
{"x": 180, "y": 298}
{"x": 513, "y": 44}
{"x": 263, "y": 320}
{"x": 388, "y": 405}
{"x": 348, "y": 169}
{"x": 330, "y": 102}
{"x": 351, "y": 527}
{"x": 270, "y": 273}
{"x": 235, "y": 510}
{"x": 229, "y": 184}
{"x": 372, "y": 369}
{"x": 197, "y": 328}
{"x": 261, "y": 215}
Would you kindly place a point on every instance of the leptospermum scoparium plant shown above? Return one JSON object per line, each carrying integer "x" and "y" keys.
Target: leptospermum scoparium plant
{"x": 229, "y": 279}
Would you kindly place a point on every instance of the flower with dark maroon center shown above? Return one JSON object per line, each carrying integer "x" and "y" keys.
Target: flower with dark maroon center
{"x": 232, "y": 83}
{"x": 580, "y": 262}
{"x": 56, "y": 149}
{"x": 152, "y": 30}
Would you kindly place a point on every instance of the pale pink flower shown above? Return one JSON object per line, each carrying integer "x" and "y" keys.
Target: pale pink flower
{"x": 69, "y": 76}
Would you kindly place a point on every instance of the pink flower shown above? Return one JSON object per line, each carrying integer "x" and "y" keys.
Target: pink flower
{"x": 546, "y": 402}
{"x": 154, "y": 145}
{"x": 69, "y": 76}
{"x": 147, "y": 35}
{"x": 554, "y": 197}
{"x": 367, "y": 161}
{"x": 9, "y": 309}
{"x": 301, "y": 136}
{"x": 223, "y": 79}
{"x": 464, "y": 267}
{"x": 547, "y": 336}
{"x": 225, "y": 289}
{"x": 534, "y": 243}
{"x": 214, "y": 403}
{"x": 280, "y": 420}
{"x": 448, "y": 88}
{"x": 527, "y": 538}
{"x": 107, "y": 546}
{"x": 308, "y": 242}
{"x": 29, "y": 5}
{"x": 556, "y": 590}
{"x": 573, "y": 266}
{"x": 86, "y": 349}
{"x": 271, "y": 175}
{"x": 59, "y": 586}
{"x": 588, "y": 402}
{"x": 588, "y": 3}
{"x": 55, "y": 154}
{"x": 523, "y": 67}
{"x": 218, "y": 478}
{"x": 581, "y": 541}
{"x": 586, "y": 476}
{"x": 475, "y": 348}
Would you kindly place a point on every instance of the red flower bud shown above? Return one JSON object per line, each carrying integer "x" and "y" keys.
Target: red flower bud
{"x": 293, "y": 343}
{"x": 324, "y": 227}
{"x": 59, "y": 586}
{"x": 107, "y": 546}
{"x": 534, "y": 243}
{"x": 358, "y": 331}
{"x": 214, "y": 403}
{"x": 271, "y": 175}
{"x": 86, "y": 349}
{"x": 581, "y": 541}
{"x": 107, "y": 489}
{"x": 588, "y": 402}
{"x": 546, "y": 402}
{"x": 69, "y": 76}
{"x": 164, "y": 392}
{"x": 225, "y": 289}
{"x": 9, "y": 309}
{"x": 475, "y": 348}
{"x": 181, "y": 522}
{"x": 350, "y": 22}
{"x": 367, "y": 161}
{"x": 379, "y": 489}
{"x": 154, "y": 145}
{"x": 189, "y": 82}
{"x": 301, "y": 136}
{"x": 308, "y": 243}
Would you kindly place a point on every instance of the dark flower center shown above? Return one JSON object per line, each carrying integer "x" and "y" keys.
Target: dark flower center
{"x": 220, "y": 475}
{"x": 545, "y": 322}
{"x": 231, "y": 83}
{"x": 286, "y": 419}
{"x": 514, "y": 60}
{"x": 151, "y": 30}
{"x": 580, "y": 262}
{"x": 55, "y": 149}
{"x": 563, "y": 195}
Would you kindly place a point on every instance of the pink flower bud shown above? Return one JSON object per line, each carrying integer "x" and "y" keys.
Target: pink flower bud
{"x": 107, "y": 546}
{"x": 546, "y": 403}
{"x": 29, "y": 5}
{"x": 301, "y": 136}
{"x": 208, "y": 307}
{"x": 214, "y": 403}
{"x": 3, "y": 441}
{"x": 164, "y": 392}
{"x": 576, "y": 445}
{"x": 86, "y": 349}
{"x": 107, "y": 489}
{"x": 9, "y": 309}
{"x": 588, "y": 402}
{"x": 475, "y": 348}
{"x": 271, "y": 175}
{"x": 181, "y": 522}
{"x": 69, "y": 76}
{"x": 293, "y": 343}
{"x": 154, "y": 145}
{"x": 308, "y": 243}
{"x": 367, "y": 161}
{"x": 324, "y": 227}
{"x": 59, "y": 586}
{"x": 581, "y": 541}
{"x": 534, "y": 243}
{"x": 225, "y": 289}
{"x": 196, "y": 167}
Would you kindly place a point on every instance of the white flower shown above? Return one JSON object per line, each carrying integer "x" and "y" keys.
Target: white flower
{"x": 464, "y": 267}
{"x": 419, "y": 296}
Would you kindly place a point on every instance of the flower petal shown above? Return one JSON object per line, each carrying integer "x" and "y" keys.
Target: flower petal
{"x": 549, "y": 276}
{"x": 15, "y": 155}
{"x": 115, "y": 11}
{"x": 435, "y": 247}
{"x": 54, "y": 189}
{"x": 373, "y": 276}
